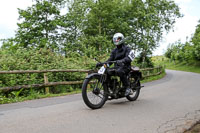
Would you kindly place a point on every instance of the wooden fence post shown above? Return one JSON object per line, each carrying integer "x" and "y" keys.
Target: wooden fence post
{"x": 86, "y": 74}
{"x": 161, "y": 69}
{"x": 148, "y": 73}
{"x": 158, "y": 69}
{"x": 46, "y": 81}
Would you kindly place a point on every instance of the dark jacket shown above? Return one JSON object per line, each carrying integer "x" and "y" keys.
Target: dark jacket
{"x": 121, "y": 54}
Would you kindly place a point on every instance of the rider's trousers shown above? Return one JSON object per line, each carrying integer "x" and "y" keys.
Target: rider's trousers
{"x": 122, "y": 72}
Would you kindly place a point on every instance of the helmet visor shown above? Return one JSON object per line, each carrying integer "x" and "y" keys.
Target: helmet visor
{"x": 117, "y": 40}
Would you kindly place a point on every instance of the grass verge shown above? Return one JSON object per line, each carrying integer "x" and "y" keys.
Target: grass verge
{"x": 192, "y": 66}
{"x": 4, "y": 100}
{"x": 183, "y": 67}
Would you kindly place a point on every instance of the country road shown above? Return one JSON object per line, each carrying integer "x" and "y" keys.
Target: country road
{"x": 169, "y": 105}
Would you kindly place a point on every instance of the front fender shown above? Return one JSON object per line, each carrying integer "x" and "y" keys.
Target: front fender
{"x": 92, "y": 74}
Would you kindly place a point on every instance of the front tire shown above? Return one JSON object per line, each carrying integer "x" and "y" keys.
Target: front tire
{"x": 135, "y": 88}
{"x": 93, "y": 92}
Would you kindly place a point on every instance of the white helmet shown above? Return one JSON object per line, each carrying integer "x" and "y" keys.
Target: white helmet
{"x": 118, "y": 38}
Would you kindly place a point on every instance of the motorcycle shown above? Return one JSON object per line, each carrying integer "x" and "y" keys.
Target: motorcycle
{"x": 97, "y": 89}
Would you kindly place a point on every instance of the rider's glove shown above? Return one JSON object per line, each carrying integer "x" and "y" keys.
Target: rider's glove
{"x": 120, "y": 62}
{"x": 99, "y": 64}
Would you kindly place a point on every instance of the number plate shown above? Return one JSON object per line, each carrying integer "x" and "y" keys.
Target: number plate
{"x": 131, "y": 55}
{"x": 101, "y": 70}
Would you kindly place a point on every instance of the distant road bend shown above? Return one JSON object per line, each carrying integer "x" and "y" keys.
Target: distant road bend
{"x": 169, "y": 105}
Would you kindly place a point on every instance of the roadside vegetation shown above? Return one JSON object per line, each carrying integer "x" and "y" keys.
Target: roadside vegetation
{"x": 182, "y": 56}
{"x": 193, "y": 66}
{"x": 69, "y": 34}
{"x": 44, "y": 59}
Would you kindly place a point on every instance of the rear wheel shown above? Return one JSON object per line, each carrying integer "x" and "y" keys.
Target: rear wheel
{"x": 93, "y": 92}
{"x": 135, "y": 88}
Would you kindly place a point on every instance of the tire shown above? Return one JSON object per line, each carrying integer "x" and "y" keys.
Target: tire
{"x": 92, "y": 86}
{"x": 135, "y": 86}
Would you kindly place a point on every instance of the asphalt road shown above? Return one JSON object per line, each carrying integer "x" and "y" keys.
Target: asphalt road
{"x": 169, "y": 105}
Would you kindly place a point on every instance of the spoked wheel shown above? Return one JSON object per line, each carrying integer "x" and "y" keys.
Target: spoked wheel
{"x": 93, "y": 92}
{"x": 135, "y": 89}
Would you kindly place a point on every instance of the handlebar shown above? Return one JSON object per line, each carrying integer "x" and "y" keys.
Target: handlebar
{"x": 111, "y": 62}
{"x": 106, "y": 61}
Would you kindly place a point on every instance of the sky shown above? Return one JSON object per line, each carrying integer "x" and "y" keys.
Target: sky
{"x": 9, "y": 16}
{"x": 184, "y": 27}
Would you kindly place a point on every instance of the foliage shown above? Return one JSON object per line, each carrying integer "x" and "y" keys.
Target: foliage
{"x": 144, "y": 64}
{"x": 43, "y": 59}
{"x": 144, "y": 21}
{"x": 40, "y": 25}
{"x": 196, "y": 41}
{"x": 192, "y": 66}
{"x": 186, "y": 52}
{"x": 95, "y": 22}
{"x": 180, "y": 52}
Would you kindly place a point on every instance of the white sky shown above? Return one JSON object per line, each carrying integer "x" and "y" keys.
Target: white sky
{"x": 9, "y": 16}
{"x": 184, "y": 27}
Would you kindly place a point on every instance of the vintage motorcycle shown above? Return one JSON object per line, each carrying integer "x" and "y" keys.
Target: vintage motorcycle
{"x": 97, "y": 89}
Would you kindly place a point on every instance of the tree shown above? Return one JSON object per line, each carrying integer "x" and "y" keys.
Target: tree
{"x": 40, "y": 24}
{"x": 8, "y": 44}
{"x": 145, "y": 21}
{"x": 74, "y": 23}
{"x": 188, "y": 51}
{"x": 152, "y": 18}
{"x": 196, "y": 41}
{"x": 95, "y": 21}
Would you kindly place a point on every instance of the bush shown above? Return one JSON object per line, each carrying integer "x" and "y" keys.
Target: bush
{"x": 43, "y": 59}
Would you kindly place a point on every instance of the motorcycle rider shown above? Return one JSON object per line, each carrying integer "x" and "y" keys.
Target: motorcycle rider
{"x": 123, "y": 55}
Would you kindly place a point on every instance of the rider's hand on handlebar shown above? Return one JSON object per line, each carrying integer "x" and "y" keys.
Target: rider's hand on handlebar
{"x": 99, "y": 64}
{"x": 120, "y": 62}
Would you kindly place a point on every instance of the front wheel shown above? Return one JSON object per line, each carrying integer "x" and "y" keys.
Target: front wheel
{"x": 93, "y": 92}
{"x": 135, "y": 89}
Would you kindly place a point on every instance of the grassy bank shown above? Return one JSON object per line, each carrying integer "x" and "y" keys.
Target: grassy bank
{"x": 184, "y": 67}
{"x": 192, "y": 66}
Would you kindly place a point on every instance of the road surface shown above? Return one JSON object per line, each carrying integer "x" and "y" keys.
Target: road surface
{"x": 169, "y": 105}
